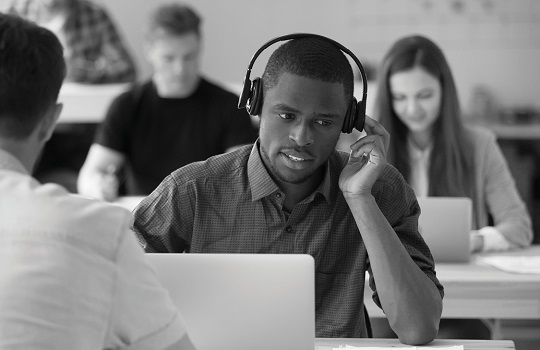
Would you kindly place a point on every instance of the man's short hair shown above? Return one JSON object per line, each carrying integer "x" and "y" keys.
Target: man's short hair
{"x": 312, "y": 58}
{"x": 173, "y": 19}
{"x": 32, "y": 69}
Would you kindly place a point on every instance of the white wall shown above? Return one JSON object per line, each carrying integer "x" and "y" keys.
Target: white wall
{"x": 495, "y": 43}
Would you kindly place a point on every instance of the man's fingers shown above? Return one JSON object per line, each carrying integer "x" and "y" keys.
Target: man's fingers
{"x": 373, "y": 127}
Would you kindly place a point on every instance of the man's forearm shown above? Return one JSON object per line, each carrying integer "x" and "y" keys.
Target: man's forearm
{"x": 410, "y": 300}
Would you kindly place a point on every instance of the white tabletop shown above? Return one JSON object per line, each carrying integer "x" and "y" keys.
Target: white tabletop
{"x": 85, "y": 103}
{"x": 474, "y": 290}
{"x": 331, "y": 343}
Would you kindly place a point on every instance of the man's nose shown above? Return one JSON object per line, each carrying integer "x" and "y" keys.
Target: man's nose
{"x": 302, "y": 134}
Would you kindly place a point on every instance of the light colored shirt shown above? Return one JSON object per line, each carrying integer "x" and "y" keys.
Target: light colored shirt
{"x": 419, "y": 168}
{"x": 230, "y": 204}
{"x": 72, "y": 275}
{"x": 493, "y": 238}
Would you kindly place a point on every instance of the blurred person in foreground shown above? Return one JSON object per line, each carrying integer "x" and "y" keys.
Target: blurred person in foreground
{"x": 73, "y": 275}
{"x": 95, "y": 53}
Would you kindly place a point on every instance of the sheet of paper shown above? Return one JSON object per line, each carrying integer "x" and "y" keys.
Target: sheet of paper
{"x": 515, "y": 264}
{"x": 350, "y": 347}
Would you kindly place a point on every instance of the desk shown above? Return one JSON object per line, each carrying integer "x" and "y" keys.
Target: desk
{"x": 521, "y": 131}
{"x": 328, "y": 344}
{"x": 477, "y": 291}
{"x": 87, "y": 103}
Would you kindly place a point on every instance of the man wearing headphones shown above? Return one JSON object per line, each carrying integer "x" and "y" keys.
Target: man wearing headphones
{"x": 176, "y": 118}
{"x": 292, "y": 192}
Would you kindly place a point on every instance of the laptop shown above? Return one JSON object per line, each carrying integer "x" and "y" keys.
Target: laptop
{"x": 445, "y": 225}
{"x": 242, "y": 301}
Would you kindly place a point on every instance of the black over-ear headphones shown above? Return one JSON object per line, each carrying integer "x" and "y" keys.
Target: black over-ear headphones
{"x": 251, "y": 96}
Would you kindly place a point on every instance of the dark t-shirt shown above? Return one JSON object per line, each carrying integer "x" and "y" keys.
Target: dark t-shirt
{"x": 159, "y": 135}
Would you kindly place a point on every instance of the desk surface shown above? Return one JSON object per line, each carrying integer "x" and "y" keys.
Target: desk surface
{"x": 85, "y": 103}
{"x": 477, "y": 291}
{"x": 522, "y": 131}
{"x": 328, "y": 344}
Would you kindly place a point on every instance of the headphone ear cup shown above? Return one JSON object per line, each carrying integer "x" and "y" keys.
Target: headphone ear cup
{"x": 360, "y": 115}
{"x": 254, "y": 103}
{"x": 245, "y": 94}
{"x": 350, "y": 117}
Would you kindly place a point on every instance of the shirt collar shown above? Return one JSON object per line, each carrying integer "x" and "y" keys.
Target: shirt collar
{"x": 10, "y": 162}
{"x": 262, "y": 185}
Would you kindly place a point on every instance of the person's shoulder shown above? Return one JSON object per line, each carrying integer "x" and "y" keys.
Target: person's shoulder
{"x": 133, "y": 94}
{"x": 479, "y": 131}
{"x": 215, "y": 90}
{"x": 50, "y": 210}
{"x": 90, "y": 223}
{"x": 220, "y": 168}
{"x": 479, "y": 135}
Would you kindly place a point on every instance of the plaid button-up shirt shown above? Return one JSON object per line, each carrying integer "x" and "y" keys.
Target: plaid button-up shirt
{"x": 94, "y": 51}
{"x": 230, "y": 204}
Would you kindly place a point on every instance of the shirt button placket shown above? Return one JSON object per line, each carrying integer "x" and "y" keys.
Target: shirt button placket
{"x": 290, "y": 239}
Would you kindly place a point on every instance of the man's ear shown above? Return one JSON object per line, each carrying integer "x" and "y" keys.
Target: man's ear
{"x": 49, "y": 121}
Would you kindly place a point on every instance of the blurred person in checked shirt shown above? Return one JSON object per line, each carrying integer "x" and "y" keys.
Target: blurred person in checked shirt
{"x": 93, "y": 49}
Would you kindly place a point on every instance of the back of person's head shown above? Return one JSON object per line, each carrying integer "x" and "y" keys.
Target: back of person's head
{"x": 173, "y": 19}
{"x": 32, "y": 69}
{"x": 311, "y": 58}
{"x": 448, "y": 137}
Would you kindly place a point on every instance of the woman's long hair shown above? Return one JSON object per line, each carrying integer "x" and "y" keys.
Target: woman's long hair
{"x": 451, "y": 169}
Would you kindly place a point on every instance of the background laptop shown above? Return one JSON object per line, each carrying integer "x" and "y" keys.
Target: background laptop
{"x": 242, "y": 301}
{"x": 445, "y": 224}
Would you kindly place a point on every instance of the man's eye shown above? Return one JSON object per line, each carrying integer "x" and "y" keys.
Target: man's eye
{"x": 398, "y": 97}
{"x": 323, "y": 122}
{"x": 286, "y": 115}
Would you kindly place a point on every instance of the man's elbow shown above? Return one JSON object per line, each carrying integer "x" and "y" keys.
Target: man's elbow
{"x": 419, "y": 335}
{"x": 423, "y": 329}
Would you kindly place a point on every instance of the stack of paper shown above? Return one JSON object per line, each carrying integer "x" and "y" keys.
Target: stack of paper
{"x": 515, "y": 264}
{"x": 350, "y": 347}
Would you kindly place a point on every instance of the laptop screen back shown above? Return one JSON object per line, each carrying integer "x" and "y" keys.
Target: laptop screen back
{"x": 242, "y": 301}
{"x": 445, "y": 225}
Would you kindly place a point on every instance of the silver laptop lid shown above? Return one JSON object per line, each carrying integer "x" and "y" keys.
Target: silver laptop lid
{"x": 445, "y": 225}
{"x": 242, "y": 301}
